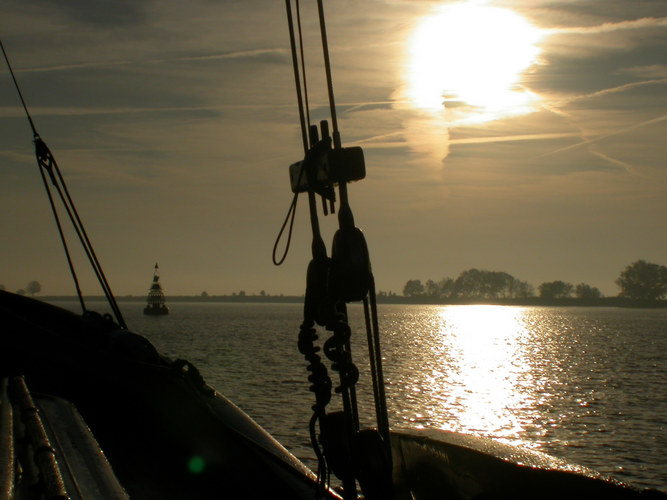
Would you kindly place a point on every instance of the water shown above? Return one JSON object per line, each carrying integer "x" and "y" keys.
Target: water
{"x": 583, "y": 384}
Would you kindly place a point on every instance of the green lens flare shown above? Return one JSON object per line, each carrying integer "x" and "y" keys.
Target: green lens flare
{"x": 196, "y": 465}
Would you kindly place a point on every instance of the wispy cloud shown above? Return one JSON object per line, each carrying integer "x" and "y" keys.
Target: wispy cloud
{"x": 512, "y": 138}
{"x": 605, "y": 136}
{"x": 654, "y": 71}
{"x": 561, "y": 101}
{"x": 236, "y": 55}
{"x": 615, "y": 161}
{"x": 239, "y": 54}
{"x": 645, "y": 22}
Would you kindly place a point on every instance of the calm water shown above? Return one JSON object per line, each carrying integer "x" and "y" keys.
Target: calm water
{"x": 583, "y": 384}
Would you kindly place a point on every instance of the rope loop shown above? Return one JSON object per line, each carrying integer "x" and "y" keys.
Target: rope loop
{"x": 290, "y": 212}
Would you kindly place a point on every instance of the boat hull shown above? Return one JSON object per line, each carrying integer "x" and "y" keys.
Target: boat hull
{"x": 165, "y": 433}
{"x": 438, "y": 464}
{"x": 156, "y": 310}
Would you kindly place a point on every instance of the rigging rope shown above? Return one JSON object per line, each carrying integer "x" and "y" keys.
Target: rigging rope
{"x": 303, "y": 62}
{"x": 331, "y": 283}
{"x": 46, "y": 162}
{"x": 291, "y": 212}
{"x": 327, "y": 68}
{"x": 318, "y": 267}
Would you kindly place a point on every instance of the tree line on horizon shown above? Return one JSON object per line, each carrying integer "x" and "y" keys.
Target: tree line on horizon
{"x": 640, "y": 280}
{"x": 32, "y": 288}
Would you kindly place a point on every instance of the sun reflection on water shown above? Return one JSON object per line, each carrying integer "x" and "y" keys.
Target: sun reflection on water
{"x": 486, "y": 370}
{"x": 483, "y": 375}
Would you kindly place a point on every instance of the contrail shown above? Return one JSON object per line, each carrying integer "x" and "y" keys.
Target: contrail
{"x": 510, "y": 138}
{"x": 626, "y": 166}
{"x": 644, "y": 22}
{"x": 472, "y": 140}
{"x": 611, "y": 90}
{"x": 611, "y": 134}
{"x": 126, "y": 62}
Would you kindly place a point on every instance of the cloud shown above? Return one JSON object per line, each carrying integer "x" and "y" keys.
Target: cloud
{"x": 607, "y": 135}
{"x": 646, "y": 22}
{"x": 624, "y": 165}
{"x": 100, "y": 13}
{"x": 554, "y": 102}
{"x": 656, "y": 72}
{"x": 266, "y": 54}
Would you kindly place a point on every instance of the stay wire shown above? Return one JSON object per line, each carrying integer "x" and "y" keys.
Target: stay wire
{"x": 46, "y": 161}
{"x": 303, "y": 63}
{"x": 346, "y": 212}
{"x": 18, "y": 89}
{"x": 87, "y": 245}
{"x": 297, "y": 79}
{"x": 327, "y": 68}
{"x": 314, "y": 221}
{"x": 64, "y": 241}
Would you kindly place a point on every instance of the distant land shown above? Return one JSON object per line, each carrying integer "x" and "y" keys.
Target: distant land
{"x": 391, "y": 299}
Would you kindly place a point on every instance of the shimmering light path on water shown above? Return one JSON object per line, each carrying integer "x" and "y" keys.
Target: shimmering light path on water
{"x": 583, "y": 384}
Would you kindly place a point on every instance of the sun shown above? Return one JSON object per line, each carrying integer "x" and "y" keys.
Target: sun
{"x": 471, "y": 55}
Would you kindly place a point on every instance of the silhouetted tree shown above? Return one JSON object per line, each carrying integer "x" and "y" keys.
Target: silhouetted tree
{"x": 469, "y": 284}
{"x": 2, "y": 287}
{"x": 522, "y": 289}
{"x": 413, "y": 288}
{"x": 446, "y": 286}
{"x": 432, "y": 289}
{"x": 555, "y": 290}
{"x": 584, "y": 291}
{"x": 33, "y": 288}
{"x": 477, "y": 284}
{"x": 20, "y": 291}
{"x": 499, "y": 284}
{"x": 643, "y": 280}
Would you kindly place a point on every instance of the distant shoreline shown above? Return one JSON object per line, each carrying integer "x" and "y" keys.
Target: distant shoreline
{"x": 392, "y": 299}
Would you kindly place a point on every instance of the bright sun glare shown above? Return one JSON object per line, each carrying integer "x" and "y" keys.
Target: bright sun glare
{"x": 472, "y": 55}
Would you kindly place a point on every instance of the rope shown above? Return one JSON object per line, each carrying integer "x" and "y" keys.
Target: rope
{"x": 331, "y": 283}
{"x": 18, "y": 89}
{"x": 303, "y": 62}
{"x": 292, "y": 212}
{"x": 46, "y": 161}
{"x": 321, "y": 386}
{"x": 319, "y": 378}
{"x": 375, "y": 355}
{"x": 297, "y": 80}
{"x": 64, "y": 241}
{"x": 314, "y": 222}
{"x": 327, "y": 68}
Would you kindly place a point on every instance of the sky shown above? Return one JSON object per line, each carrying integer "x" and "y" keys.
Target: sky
{"x": 524, "y": 136}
